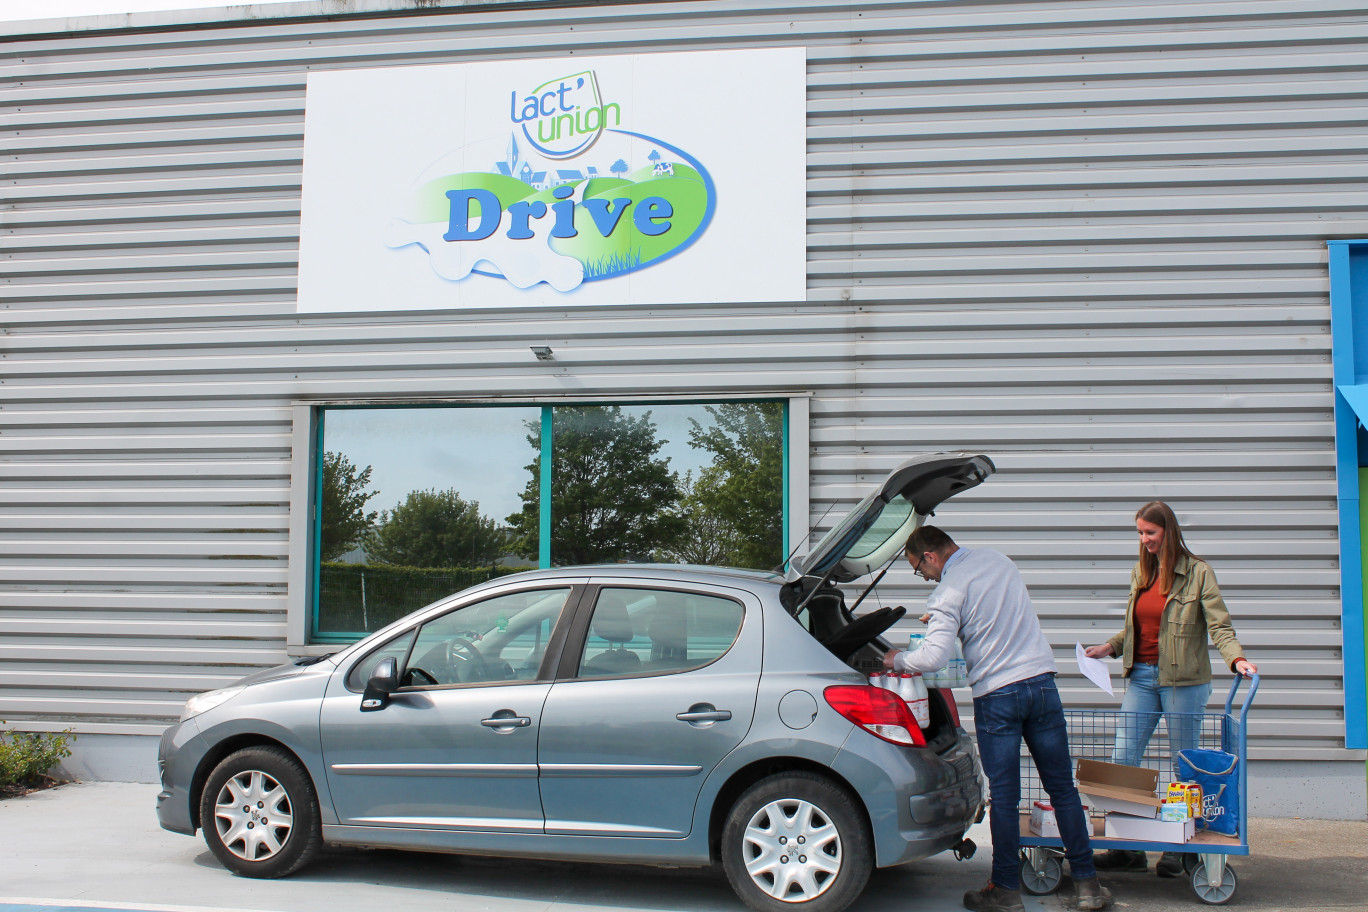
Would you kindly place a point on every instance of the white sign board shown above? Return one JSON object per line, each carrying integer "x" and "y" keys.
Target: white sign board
{"x": 644, "y": 179}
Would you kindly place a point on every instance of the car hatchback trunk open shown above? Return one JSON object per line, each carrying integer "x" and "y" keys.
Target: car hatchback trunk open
{"x": 867, "y": 541}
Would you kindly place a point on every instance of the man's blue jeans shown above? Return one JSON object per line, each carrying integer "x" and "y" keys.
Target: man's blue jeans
{"x": 1144, "y": 701}
{"x": 1029, "y": 710}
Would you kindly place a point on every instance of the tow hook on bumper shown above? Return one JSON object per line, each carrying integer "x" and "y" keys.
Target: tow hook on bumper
{"x": 964, "y": 849}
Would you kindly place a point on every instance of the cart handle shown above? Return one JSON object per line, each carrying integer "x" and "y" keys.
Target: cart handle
{"x": 1249, "y": 697}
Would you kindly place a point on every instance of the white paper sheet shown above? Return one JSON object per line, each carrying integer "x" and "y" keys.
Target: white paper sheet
{"x": 1094, "y": 670}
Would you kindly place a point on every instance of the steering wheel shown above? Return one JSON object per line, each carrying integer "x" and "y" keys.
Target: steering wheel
{"x": 862, "y": 631}
{"x": 465, "y": 661}
{"x": 418, "y": 672}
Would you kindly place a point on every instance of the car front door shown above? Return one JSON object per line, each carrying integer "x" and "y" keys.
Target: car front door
{"x": 651, "y": 696}
{"x": 456, "y": 745}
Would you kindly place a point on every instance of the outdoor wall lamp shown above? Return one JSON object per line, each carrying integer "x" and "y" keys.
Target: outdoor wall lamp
{"x": 543, "y": 352}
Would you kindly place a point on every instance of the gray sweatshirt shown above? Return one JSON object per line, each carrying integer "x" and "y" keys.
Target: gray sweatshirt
{"x": 982, "y": 601}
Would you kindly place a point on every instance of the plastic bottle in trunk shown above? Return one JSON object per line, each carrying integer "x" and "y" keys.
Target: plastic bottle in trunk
{"x": 886, "y": 679}
{"x": 906, "y": 690}
{"x": 921, "y": 710}
{"x": 912, "y": 689}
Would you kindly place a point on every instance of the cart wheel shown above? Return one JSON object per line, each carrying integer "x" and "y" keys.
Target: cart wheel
{"x": 1213, "y": 896}
{"x": 1190, "y": 862}
{"x": 1043, "y": 881}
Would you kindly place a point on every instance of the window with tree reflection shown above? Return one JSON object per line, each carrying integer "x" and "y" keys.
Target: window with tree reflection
{"x": 418, "y": 502}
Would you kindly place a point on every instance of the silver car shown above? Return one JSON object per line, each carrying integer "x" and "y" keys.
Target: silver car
{"x": 628, "y": 713}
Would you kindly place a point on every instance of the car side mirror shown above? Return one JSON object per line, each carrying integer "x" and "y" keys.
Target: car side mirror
{"x": 383, "y": 681}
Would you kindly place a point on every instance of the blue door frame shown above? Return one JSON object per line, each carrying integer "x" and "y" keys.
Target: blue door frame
{"x": 1349, "y": 335}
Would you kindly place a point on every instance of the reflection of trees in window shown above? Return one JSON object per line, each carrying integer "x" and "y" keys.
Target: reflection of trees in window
{"x": 708, "y": 539}
{"x": 612, "y": 496}
{"x": 436, "y": 529}
{"x": 738, "y": 500}
{"x": 344, "y": 521}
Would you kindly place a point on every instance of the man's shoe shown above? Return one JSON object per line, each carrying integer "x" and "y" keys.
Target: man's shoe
{"x": 1092, "y": 895}
{"x": 993, "y": 898}
{"x": 1171, "y": 865}
{"x": 1121, "y": 860}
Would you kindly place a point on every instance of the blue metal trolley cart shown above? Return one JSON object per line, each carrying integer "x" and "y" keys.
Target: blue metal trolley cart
{"x": 1092, "y": 734}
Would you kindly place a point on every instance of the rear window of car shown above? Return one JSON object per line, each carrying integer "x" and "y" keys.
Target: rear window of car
{"x": 657, "y": 631}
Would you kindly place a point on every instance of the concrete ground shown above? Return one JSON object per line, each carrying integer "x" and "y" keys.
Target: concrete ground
{"x": 98, "y": 846}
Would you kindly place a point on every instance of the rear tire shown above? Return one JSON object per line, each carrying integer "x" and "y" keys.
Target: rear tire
{"x": 259, "y": 811}
{"x": 797, "y": 841}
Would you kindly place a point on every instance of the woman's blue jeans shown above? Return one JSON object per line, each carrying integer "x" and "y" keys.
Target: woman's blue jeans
{"x": 1029, "y": 710}
{"x": 1142, "y": 705}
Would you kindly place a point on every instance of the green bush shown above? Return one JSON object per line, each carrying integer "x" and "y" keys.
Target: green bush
{"x": 25, "y": 757}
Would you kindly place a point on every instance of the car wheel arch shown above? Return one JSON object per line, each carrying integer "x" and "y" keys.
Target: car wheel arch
{"x": 748, "y": 775}
{"x": 230, "y": 745}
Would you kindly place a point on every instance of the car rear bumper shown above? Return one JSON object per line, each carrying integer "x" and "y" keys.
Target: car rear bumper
{"x": 920, "y": 803}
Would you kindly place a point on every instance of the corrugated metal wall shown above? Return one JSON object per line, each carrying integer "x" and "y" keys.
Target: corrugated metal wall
{"x": 1086, "y": 238}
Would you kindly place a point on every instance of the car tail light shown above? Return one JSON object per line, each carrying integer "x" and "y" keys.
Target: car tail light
{"x": 880, "y": 712}
{"x": 948, "y": 696}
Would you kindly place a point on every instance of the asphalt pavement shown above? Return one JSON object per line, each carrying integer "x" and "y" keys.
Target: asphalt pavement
{"x": 91, "y": 846}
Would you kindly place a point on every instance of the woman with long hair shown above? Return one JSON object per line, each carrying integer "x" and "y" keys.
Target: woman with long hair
{"x": 1175, "y": 605}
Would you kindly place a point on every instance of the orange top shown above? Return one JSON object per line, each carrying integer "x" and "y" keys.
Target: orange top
{"x": 1149, "y": 605}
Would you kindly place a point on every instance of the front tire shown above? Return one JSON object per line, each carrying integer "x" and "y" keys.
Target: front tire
{"x": 259, "y": 811}
{"x": 797, "y": 841}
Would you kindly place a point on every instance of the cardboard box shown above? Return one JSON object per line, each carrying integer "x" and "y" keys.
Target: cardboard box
{"x": 1124, "y": 826}
{"x": 1044, "y": 822}
{"x": 1120, "y": 789}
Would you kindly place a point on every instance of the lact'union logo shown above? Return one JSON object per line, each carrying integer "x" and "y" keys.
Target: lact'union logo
{"x": 549, "y": 210}
{"x": 563, "y": 117}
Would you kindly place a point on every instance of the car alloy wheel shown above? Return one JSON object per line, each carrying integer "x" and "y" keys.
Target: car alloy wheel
{"x": 253, "y": 816}
{"x": 793, "y": 851}
{"x": 260, "y": 813}
{"x": 796, "y": 840}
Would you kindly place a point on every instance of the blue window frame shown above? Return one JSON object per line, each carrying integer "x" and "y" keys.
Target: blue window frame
{"x": 1349, "y": 328}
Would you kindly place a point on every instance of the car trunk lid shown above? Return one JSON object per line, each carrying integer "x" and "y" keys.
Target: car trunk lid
{"x": 873, "y": 533}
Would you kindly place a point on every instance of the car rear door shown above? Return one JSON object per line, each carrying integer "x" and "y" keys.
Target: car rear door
{"x": 657, "y": 684}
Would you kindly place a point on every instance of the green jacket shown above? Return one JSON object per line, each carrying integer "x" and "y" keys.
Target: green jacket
{"x": 1194, "y": 609}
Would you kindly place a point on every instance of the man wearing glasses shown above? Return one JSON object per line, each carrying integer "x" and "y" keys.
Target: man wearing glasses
{"x": 981, "y": 600}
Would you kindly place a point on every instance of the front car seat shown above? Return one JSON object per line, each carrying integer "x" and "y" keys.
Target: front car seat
{"x": 612, "y": 623}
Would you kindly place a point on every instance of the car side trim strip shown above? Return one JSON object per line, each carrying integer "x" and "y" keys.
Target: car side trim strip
{"x": 473, "y": 770}
{"x": 590, "y": 770}
{"x": 515, "y": 770}
{"x": 455, "y": 823}
{"x": 581, "y": 828}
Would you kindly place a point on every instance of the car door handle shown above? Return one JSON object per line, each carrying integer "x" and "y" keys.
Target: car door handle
{"x": 708, "y": 715}
{"x": 506, "y": 722}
